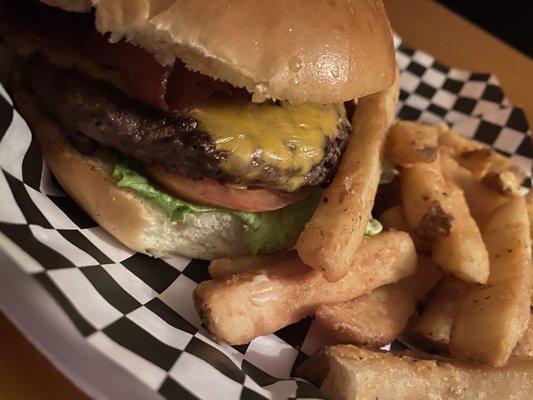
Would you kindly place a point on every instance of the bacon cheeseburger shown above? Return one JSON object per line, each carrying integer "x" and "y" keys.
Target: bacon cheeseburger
{"x": 200, "y": 128}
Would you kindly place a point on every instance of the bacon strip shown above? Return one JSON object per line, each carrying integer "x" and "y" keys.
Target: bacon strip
{"x": 171, "y": 88}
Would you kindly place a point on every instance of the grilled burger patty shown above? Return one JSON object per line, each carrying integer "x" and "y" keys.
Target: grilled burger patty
{"x": 92, "y": 111}
{"x": 98, "y": 111}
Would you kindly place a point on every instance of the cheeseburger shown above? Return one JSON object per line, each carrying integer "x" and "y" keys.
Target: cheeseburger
{"x": 198, "y": 128}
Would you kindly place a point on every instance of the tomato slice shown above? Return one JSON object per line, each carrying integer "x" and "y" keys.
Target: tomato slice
{"x": 211, "y": 192}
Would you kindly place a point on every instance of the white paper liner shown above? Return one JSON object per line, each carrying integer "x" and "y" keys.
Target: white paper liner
{"x": 139, "y": 312}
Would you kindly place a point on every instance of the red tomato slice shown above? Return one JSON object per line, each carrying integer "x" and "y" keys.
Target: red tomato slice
{"x": 211, "y": 192}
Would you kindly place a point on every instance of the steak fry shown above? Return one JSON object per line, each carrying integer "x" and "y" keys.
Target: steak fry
{"x": 261, "y": 301}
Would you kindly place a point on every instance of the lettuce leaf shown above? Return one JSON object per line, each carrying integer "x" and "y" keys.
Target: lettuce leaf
{"x": 373, "y": 228}
{"x": 269, "y": 231}
{"x": 273, "y": 230}
{"x": 175, "y": 208}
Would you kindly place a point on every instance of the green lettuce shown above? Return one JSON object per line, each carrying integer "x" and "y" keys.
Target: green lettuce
{"x": 269, "y": 231}
{"x": 373, "y": 228}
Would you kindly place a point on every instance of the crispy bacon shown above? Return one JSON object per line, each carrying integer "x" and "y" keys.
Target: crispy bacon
{"x": 186, "y": 88}
{"x": 145, "y": 76}
{"x": 169, "y": 88}
{"x": 42, "y": 26}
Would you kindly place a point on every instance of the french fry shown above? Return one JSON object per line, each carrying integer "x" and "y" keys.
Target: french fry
{"x": 529, "y": 205}
{"x": 426, "y": 201}
{"x": 503, "y": 182}
{"x": 224, "y": 267}
{"x": 491, "y": 319}
{"x": 258, "y": 302}
{"x": 393, "y": 218}
{"x": 482, "y": 200}
{"x": 377, "y": 318}
{"x": 315, "y": 368}
{"x": 411, "y": 142}
{"x": 462, "y": 252}
{"x": 524, "y": 348}
{"x": 478, "y": 158}
{"x": 436, "y": 212}
{"x": 360, "y": 374}
{"x": 494, "y": 170}
{"x": 330, "y": 239}
{"x": 373, "y": 320}
{"x": 431, "y": 331}
{"x": 458, "y": 144}
{"x": 423, "y": 280}
{"x": 477, "y": 161}
{"x": 486, "y": 165}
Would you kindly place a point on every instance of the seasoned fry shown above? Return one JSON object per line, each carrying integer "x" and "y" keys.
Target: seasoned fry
{"x": 330, "y": 239}
{"x": 529, "y": 204}
{"x": 503, "y": 182}
{"x": 485, "y": 164}
{"x": 482, "y": 200}
{"x": 458, "y": 144}
{"x": 498, "y": 313}
{"x": 393, "y": 218}
{"x": 436, "y": 212}
{"x": 360, "y": 374}
{"x": 423, "y": 280}
{"x": 478, "y": 158}
{"x": 315, "y": 368}
{"x": 431, "y": 330}
{"x": 478, "y": 161}
{"x": 224, "y": 267}
{"x": 379, "y": 317}
{"x": 524, "y": 347}
{"x": 258, "y": 302}
{"x": 373, "y": 320}
{"x": 462, "y": 252}
{"x": 411, "y": 142}
{"x": 426, "y": 201}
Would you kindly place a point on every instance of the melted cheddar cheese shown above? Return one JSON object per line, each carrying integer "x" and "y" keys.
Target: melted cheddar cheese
{"x": 257, "y": 136}
{"x": 289, "y": 138}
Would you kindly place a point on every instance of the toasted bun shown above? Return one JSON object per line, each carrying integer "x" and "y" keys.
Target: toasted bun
{"x": 137, "y": 223}
{"x": 70, "y": 5}
{"x": 300, "y": 51}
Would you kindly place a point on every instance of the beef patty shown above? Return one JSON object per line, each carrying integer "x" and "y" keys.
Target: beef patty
{"x": 91, "y": 111}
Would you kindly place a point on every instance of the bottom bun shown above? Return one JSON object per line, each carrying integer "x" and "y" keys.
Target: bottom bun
{"x": 136, "y": 222}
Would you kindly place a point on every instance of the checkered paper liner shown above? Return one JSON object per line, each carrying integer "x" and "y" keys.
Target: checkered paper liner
{"x": 139, "y": 311}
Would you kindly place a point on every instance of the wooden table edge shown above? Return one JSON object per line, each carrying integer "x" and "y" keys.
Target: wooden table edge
{"x": 26, "y": 373}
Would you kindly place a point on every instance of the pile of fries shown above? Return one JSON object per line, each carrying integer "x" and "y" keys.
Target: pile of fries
{"x": 450, "y": 275}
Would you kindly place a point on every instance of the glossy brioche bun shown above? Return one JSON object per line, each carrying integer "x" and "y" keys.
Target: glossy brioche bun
{"x": 135, "y": 222}
{"x": 70, "y": 5}
{"x": 299, "y": 50}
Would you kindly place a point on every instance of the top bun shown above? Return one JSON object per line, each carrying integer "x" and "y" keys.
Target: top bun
{"x": 70, "y": 5}
{"x": 300, "y": 50}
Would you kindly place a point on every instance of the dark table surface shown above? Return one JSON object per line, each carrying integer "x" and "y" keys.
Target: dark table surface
{"x": 510, "y": 20}
{"x": 423, "y": 24}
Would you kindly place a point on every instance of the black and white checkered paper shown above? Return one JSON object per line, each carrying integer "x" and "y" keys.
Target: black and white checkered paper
{"x": 139, "y": 311}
